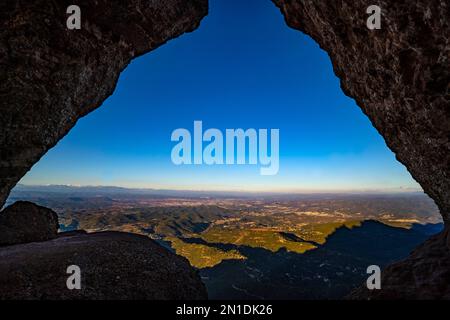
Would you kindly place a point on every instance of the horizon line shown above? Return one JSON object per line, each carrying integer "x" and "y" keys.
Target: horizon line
{"x": 305, "y": 191}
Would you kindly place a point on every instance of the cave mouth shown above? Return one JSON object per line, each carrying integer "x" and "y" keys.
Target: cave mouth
{"x": 250, "y": 73}
{"x": 253, "y": 73}
{"x": 89, "y": 153}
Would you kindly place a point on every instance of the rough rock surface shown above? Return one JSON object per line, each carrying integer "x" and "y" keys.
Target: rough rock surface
{"x": 25, "y": 221}
{"x": 399, "y": 75}
{"x": 424, "y": 275}
{"x": 114, "y": 265}
{"x": 51, "y": 76}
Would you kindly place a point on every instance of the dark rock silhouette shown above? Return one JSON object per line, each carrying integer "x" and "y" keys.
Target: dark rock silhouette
{"x": 398, "y": 75}
{"x": 424, "y": 275}
{"x": 51, "y": 76}
{"x": 114, "y": 265}
{"x": 25, "y": 221}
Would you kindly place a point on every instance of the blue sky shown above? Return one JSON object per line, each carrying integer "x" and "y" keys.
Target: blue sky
{"x": 243, "y": 68}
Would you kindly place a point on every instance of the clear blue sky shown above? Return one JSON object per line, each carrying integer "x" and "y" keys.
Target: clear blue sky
{"x": 243, "y": 68}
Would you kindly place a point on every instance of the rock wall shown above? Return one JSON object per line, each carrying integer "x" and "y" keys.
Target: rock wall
{"x": 51, "y": 76}
{"x": 398, "y": 75}
{"x": 424, "y": 275}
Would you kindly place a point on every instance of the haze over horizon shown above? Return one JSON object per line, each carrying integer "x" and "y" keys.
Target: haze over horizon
{"x": 243, "y": 68}
{"x": 237, "y": 191}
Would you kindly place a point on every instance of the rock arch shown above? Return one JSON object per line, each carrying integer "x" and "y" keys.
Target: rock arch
{"x": 399, "y": 76}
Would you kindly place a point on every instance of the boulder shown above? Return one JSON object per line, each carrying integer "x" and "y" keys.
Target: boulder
{"x": 25, "y": 221}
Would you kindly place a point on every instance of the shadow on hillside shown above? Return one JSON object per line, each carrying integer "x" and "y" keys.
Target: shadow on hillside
{"x": 329, "y": 272}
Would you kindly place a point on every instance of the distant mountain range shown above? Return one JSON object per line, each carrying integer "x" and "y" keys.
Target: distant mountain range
{"x": 111, "y": 190}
